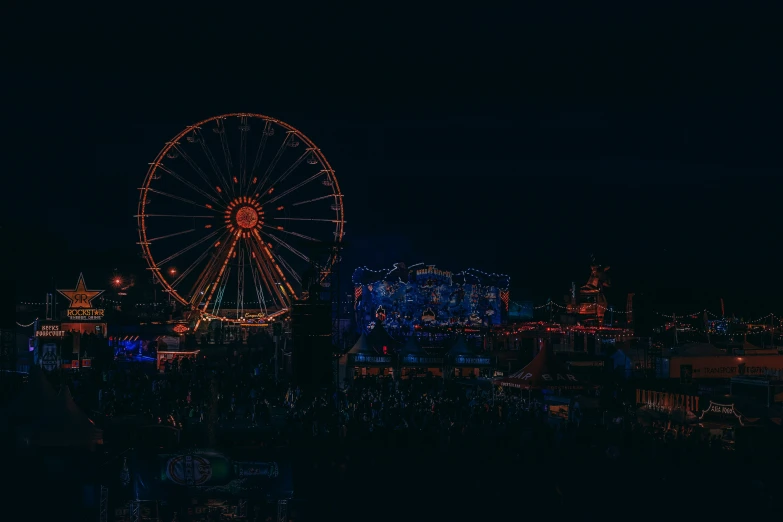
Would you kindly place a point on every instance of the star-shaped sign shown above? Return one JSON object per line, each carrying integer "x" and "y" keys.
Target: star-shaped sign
{"x": 80, "y": 297}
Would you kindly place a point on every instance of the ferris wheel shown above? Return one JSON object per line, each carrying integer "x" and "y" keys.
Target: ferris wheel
{"x": 234, "y": 212}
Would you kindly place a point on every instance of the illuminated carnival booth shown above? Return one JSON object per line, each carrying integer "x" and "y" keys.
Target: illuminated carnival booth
{"x": 80, "y": 326}
{"x": 170, "y": 352}
{"x": 362, "y": 360}
{"x": 654, "y": 405}
{"x": 545, "y": 373}
{"x": 463, "y": 361}
{"x": 414, "y": 361}
{"x": 380, "y": 340}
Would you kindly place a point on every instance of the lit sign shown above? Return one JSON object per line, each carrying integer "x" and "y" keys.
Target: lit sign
{"x": 473, "y": 360}
{"x": 50, "y": 330}
{"x": 371, "y": 359}
{"x": 85, "y": 314}
{"x": 81, "y": 308}
{"x": 180, "y": 328}
{"x": 548, "y": 377}
{"x": 423, "y": 360}
{"x": 722, "y": 409}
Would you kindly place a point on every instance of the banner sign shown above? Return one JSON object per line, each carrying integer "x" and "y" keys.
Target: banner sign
{"x": 723, "y": 366}
{"x": 423, "y": 360}
{"x": 50, "y": 359}
{"x": 372, "y": 359}
{"x": 211, "y": 472}
{"x": 50, "y": 330}
{"x": 478, "y": 361}
{"x": 80, "y": 308}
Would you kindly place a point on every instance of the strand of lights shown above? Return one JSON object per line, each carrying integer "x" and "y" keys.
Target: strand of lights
{"x": 548, "y": 303}
{"x": 468, "y": 271}
{"x": 25, "y": 325}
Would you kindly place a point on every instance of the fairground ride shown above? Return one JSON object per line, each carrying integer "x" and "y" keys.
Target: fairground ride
{"x": 233, "y": 211}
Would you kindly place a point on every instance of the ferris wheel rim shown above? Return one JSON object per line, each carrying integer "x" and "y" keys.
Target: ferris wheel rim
{"x": 155, "y": 166}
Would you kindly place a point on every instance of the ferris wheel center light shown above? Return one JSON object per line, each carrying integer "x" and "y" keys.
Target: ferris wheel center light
{"x": 246, "y": 217}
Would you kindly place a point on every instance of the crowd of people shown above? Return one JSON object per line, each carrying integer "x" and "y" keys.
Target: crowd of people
{"x": 385, "y": 423}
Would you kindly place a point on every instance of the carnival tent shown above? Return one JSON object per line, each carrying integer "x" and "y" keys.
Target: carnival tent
{"x": 64, "y": 424}
{"x": 379, "y": 337}
{"x": 362, "y": 346}
{"x": 36, "y": 396}
{"x": 544, "y": 371}
{"x": 41, "y": 417}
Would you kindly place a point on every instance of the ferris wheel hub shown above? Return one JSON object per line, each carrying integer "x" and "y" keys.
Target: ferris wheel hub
{"x": 246, "y": 217}
{"x": 244, "y": 214}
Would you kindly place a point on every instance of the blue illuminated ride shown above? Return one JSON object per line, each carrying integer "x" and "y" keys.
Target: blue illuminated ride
{"x": 404, "y": 298}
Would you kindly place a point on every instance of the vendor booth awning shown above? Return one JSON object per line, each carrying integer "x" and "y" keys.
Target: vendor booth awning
{"x": 362, "y": 354}
{"x": 544, "y": 371}
{"x": 44, "y": 418}
{"x": 380, "y": 340}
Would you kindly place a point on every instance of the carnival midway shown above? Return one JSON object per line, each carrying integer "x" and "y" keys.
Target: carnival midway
{"x": 202, "y": 404}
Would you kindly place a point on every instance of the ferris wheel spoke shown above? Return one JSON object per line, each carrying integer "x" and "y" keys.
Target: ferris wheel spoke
{"x": 222, "y": 269}
{"x": 257, "y": 286}
{"x": 279, "y": 154}
{"x": 193, "y": 164}
{"x": 267, "y": 269}
{"x": 310, "y": 219}
{"x": 297, "y": 234}
{"x": 189, "y": 269}
{"x": 294, "y": 188}
{"x": 265, "y": 276}
{"x": 172, "y": 196}
{"x": 191, "y": 246}
{"x": 213, "y": 163}
{"x": 290, "y": 169}
{"x": 176, "y": 216}
{"x": 243, "y": 129}
{"x": 288, "y": 268}
{"x": 261, "y": 146}
{"x": 221, "y": 292}
{"x": 278, "y": 262}
{"x": 240, "y": 304}
{"x": 221, "y": 128}
{"x": 286, "y": 245}
{"x": 257, "y": 278}
{"x": 187, "y": 183}
{"x": 197, "y": 262}
{"x": 150, "y": 240}
{"x": 335, "y": 196}
{"x": 209, "y": 273}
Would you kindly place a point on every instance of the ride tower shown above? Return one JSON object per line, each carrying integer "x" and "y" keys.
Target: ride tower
{"x": 311, "y": 336}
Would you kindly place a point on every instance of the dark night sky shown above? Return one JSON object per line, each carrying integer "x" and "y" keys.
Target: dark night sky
{"x": 520, "y": 143}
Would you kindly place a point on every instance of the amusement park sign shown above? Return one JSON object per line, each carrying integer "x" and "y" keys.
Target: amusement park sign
{"x": 50, "y": 330}
{"x": 80, "y": 298}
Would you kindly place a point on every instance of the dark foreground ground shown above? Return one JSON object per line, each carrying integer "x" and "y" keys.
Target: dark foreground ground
{"x": 473, "y": 482}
